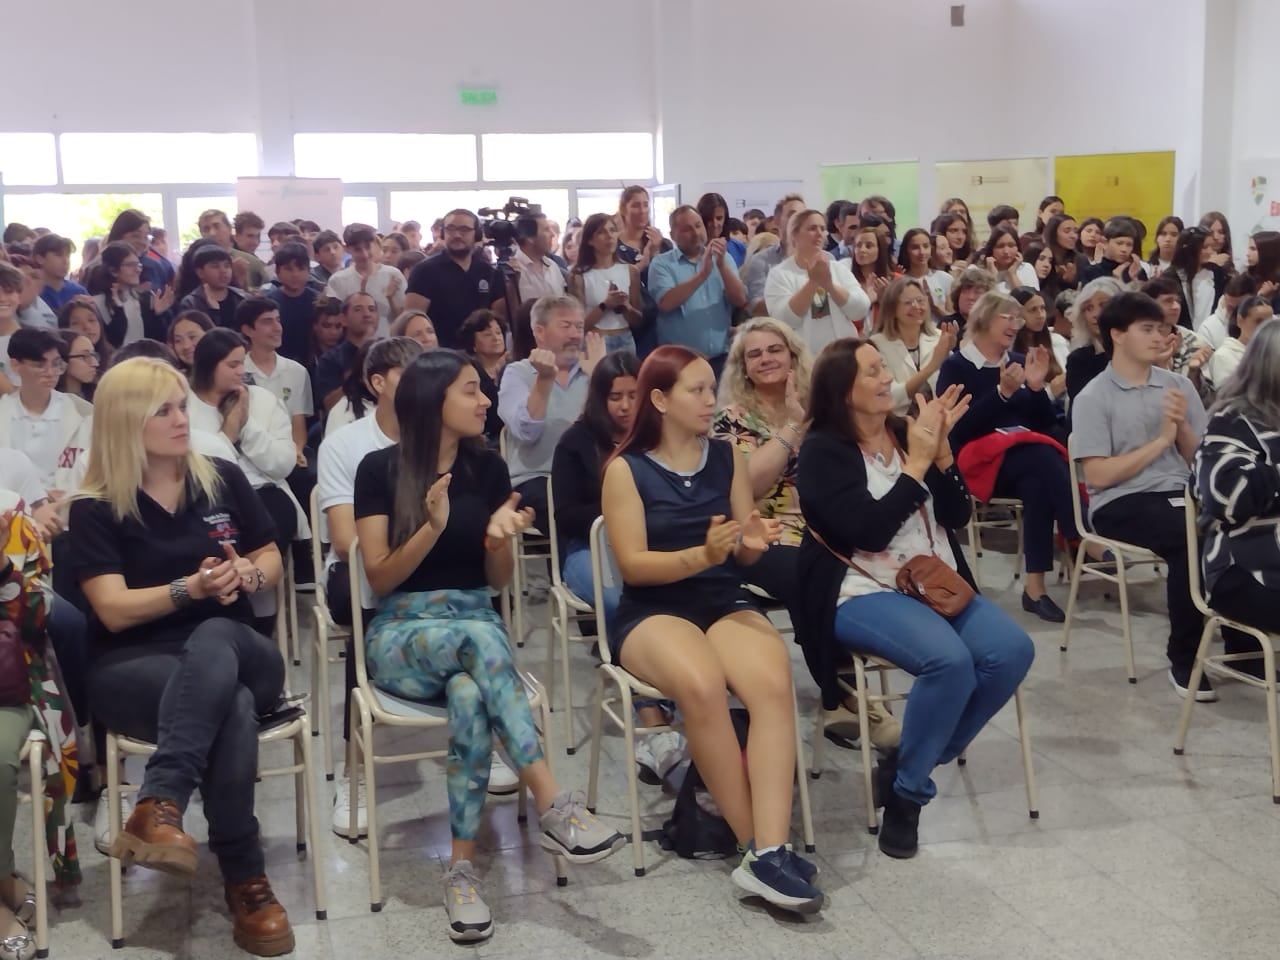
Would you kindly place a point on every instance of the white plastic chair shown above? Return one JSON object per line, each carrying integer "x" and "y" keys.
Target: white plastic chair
{"x": 325, "y": 630}
{"x": 531, "y": 544}
{"x": 371, "y": 707}
{"x": 1127, "y": 556}
{"x": 566, "y": 607}
{"x": 297, "y": 730}
{"x": 33, "y": 754}
{"x": 623, "y": 716}
{"x": 864, "y": 664}
{"x": 1219, "y": 664}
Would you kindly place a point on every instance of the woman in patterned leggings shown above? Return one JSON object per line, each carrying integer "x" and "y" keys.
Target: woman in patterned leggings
{"x": 432, "y": 560}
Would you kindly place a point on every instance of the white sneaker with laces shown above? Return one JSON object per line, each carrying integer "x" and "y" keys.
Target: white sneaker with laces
{"x": 503, "y": 781}
{"x": 668, "y": 749}
{"x": 342, "y": 810}
{"x": 102, "y": 821}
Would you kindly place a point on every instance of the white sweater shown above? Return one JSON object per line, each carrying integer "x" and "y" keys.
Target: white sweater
{"x": 835, "y": 322}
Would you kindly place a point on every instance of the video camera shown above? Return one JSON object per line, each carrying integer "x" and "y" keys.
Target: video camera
{"x": 499, "y": 225}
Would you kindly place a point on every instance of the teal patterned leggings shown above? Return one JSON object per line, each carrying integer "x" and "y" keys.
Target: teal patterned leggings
{"x": 452, "y": 643}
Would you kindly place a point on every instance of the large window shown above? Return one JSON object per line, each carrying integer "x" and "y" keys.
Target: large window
{"x": 28, "y": 159}
{"x": 189, "y": 210}
{"x": 356, "y": 210}
{"x": 158, "y": 157}
{"x": 78, "y": 216}
{"x": 568, "y": 156}
{"x": 426, "y": 205}
{"x": 386, "y": 157}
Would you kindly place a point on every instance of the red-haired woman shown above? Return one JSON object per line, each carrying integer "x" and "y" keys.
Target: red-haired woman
{"x": 679, "y": 508}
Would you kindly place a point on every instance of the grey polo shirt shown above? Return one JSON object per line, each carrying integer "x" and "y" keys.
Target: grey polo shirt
{"x": 757, "y": 272}
{"x": 1111, "y": 417}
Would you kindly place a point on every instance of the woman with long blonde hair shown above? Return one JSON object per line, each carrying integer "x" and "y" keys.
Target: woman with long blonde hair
{"x": 175, "y": 660}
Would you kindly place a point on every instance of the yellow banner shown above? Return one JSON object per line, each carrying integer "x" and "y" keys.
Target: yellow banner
{"x": 1105, "y": 184}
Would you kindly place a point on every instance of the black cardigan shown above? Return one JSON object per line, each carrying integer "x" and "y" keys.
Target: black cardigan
{"x": 576, "y": 481}
{"x": 832, "y": 484}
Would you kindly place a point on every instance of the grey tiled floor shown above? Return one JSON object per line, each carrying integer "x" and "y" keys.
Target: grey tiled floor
{"x": 1137, "y": 853}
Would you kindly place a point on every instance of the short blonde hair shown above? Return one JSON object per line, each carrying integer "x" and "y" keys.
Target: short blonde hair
{"x": 990, "y": 305}
{"x": 127, "y": 396}
{"x": 736, "y": 388}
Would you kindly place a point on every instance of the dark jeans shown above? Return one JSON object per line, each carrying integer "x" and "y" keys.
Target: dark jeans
{"x": 533, "y": 493}
{"x": 302, "y": 481}
{"x": 1150, "y": 520}
{"x": 283, "y": 514}
{"x": 1037, "y": 475}
{"x": 68, "y": 633}
{"x": 199, "y": 702}
{"x": 1239, "y": 596}
{"x": 337, "y": 593}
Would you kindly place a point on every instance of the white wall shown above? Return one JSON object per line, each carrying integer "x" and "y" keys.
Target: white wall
{"x": 736, "y": 89}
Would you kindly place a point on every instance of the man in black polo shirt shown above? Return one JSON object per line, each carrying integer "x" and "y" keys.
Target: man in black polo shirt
{"x": 454, "y": 283}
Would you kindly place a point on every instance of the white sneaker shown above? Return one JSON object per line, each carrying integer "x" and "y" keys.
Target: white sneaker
{"x": 342, "y": 810}
{"x": 102, "y": 821}
{"x": 502, "y": 779}
{"x": 668, "y": 749}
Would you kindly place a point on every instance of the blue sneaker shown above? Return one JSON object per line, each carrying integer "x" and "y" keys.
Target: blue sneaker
{"x": 807, "y": 871}
{"x": 774, "y": 877}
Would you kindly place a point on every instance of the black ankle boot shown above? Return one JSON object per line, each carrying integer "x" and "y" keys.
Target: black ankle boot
{"x": 899, "y": 830}
{"x": 882, "y": 778}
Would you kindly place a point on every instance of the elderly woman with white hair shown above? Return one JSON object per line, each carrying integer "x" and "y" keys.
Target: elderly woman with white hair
{"x": 1088, "y": 358}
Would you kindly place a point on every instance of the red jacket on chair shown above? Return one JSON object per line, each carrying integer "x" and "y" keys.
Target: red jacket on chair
{"x": 980, "y": 460}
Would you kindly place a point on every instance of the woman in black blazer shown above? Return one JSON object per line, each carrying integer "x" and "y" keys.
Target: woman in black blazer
{"x": 880, "y": 492}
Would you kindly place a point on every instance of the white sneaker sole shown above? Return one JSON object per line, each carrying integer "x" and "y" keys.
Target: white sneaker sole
{"x": 551, "y": 845}
{"x": 747, "y": 881}
{"x": 471, "y": 935}
{"x": 343, "y": 829}
{"x": 1202, "y": 696}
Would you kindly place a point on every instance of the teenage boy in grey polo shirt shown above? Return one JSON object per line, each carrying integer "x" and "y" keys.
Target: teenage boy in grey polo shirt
{"x": 1135, "y": 428}
{"x": 542, "y": 396}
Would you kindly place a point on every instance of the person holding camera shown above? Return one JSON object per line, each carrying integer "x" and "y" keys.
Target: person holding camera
{"x": 452, "y": 285}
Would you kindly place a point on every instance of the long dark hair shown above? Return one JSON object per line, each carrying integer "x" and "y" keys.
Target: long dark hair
{"x": 1026, "y": 337}
{"x": 707, "y": 206}
{"x": 1186, "y": 261}
{"x": 988, "y": 248}
{"x": 1212, "y": 217}
{"x": 904, "y": 256}
{"x": 834, "y": 373}
{"x": 595, "y": 413}
{"x": 213, "y": 348}
{"x": 660, "y": 371}
{"x": 586, "y": 254}
{"x": 1050, "y": 235}
{"x": 126, "y": 222}
{"x": 354, "y": 387}
{"x": 1268, "y": 265}
{"x": 883, "y": 267}
{"x": 1080, "y": 238}
{"x": 939, "y": 228}
{"x": 1155, "y": 237}
{"x": 1051, "y": 199}
{"x": 419, "y": 406}
{"x": 103, "y": 346}
{"x": 103, "y": 273}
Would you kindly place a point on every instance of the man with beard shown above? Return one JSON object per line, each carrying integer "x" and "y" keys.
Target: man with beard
{"x": 454, "y": 283}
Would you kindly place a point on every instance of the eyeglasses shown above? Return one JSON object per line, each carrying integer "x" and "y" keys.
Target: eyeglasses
{"x": 459, "y": 228}
{"x": 915, "y": 302}
{"x": 90, "y": 358}
{"x": 47, "y": 366}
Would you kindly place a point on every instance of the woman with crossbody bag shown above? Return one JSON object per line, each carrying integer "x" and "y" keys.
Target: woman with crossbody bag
{"x": 885, "y": 575}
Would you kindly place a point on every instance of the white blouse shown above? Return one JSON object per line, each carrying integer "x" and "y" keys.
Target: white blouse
{"x": 595, "y": 287}
{"x": 911, "y": 540}
{"x": 825, "y": 320}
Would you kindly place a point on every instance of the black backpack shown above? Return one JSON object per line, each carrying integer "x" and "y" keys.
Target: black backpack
{"x": 692, "y": 832}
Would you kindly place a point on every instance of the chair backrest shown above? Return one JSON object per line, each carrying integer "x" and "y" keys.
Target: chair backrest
{"x": 1191, "y": 509}
{"x": 551, "y": 535}
{"x": 600, "y": 569}
{"x": 356, "y": 569}
{"x": 1073, "y": 468}
{"x": 317, "y": 553}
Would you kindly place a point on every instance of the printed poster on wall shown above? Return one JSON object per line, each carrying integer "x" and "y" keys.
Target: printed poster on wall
{"x": 900, "y": 182}
{"x": 1255, "y": 197}
{"x": 983, "y": 184}
{"x": 1105, "y": 184}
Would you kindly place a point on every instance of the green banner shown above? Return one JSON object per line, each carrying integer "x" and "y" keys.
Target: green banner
{"x": 900, "y": 182}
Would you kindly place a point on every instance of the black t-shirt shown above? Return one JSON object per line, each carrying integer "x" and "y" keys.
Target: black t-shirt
{"x": 453, "y": 293}
{"x": 479, "y": 486}
{"x": 296, "y": 315}
{"x": 161, "y": 547}
{"x": 332, "y": 369}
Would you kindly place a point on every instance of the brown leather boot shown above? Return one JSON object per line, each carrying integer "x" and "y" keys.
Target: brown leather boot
{"x": 260, "y": 924}
{"x": 153, "y": 837}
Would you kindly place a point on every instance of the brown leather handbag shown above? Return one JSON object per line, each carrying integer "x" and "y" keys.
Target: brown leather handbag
{"x": 925, "y": 577}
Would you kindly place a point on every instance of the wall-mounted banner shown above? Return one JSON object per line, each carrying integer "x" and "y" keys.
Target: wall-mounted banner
{"x": 1105, "y": 184}
{"x": 983, "y": 184}
{"x": 1255, "y": 198}
{"x": 900, "y": 182}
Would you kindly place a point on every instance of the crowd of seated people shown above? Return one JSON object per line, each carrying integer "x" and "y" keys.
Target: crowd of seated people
{"x": 772, "y": 411}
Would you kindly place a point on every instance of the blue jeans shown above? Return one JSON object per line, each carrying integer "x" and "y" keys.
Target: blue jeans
{"x": 575, "y": 568}
{"x": 966, "y": 669}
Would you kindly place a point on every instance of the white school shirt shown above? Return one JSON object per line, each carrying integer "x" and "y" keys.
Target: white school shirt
{"x": 339, "y": 458}
{"x": 386, "y": 278}
{"x": 289, "y": 382}
{"x": 1025, "y": 275}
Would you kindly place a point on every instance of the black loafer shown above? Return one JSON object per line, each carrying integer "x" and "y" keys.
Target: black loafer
{"x": 1044, "y": 608}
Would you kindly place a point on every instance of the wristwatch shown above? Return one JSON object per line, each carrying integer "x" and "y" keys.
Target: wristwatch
{"x": 262, "y": 580}
{"x": 179, "y": 595}
{"x": 602, "y": 307}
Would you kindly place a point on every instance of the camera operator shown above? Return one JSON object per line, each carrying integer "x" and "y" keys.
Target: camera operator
{"x": 533, "y": 273}
{"x": 459, "y": 280}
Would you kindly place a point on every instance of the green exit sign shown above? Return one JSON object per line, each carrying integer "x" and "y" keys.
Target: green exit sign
{"x": 478, "y": 96}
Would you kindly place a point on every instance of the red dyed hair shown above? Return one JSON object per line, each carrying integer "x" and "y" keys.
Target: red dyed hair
{"x": 660, "y": 371}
